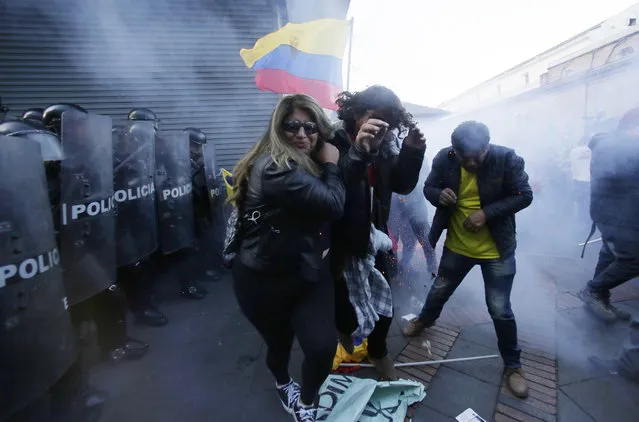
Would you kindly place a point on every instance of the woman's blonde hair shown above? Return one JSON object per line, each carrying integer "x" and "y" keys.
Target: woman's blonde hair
{"x": 274, "y": 142}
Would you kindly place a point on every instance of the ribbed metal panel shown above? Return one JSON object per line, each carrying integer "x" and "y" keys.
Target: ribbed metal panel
{"x": 179, "y": 58}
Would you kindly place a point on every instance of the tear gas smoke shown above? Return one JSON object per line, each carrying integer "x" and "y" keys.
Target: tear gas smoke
{"x": 542, "y": 126}
{"x": 172, "y": 56}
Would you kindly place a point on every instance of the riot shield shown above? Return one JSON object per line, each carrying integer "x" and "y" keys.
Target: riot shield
{"x": 210, "y": 172}
{"x": 87, "y": 229}
{"x": 37, "y": 343}
{"x": 174, "y": 192}
{"x": 134, "y": 168}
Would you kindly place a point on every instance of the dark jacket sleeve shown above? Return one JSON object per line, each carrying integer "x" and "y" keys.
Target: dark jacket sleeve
{"x": 296, "y": 189}
{"x": 406, "y": 168}
{"x": 354, "y": 165}
{"x": 518, "y": 191}
{"x": 433, "y": 186}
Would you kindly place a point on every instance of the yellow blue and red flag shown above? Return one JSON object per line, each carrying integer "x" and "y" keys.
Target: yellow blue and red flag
{"x": 301, "y": 58}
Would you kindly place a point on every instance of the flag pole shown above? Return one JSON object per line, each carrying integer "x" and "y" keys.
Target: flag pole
{"x": 350, "y": 55}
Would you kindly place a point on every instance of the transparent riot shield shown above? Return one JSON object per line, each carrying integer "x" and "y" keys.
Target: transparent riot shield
{"x": 37, "y": 343}
{"x": 210, "y": 173}
{"x": 174, "y": 192}
{"x": 134, "y": 169}
{"x": 87, "y": 229}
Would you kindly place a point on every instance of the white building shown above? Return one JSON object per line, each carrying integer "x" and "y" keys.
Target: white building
{"x": 534, "y": 72}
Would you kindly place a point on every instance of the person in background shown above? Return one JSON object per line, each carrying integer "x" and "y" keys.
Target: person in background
{"x": 373, "y": 167}
{"x": 412, "y": 226}
{"x": 288, "y": 189}
{"x": 579, "y": 158}
{"x": 614, "y": 205}
{"x": 478, "y": 187}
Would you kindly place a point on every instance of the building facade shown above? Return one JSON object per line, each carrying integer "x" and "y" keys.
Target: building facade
{"x": 179, "y": 58}
{"x": 534, "y": 72}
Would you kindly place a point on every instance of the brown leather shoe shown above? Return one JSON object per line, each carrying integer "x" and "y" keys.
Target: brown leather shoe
{"x": 415, "y": 327}
{"x": 516, "y": 381}
{"x": 385, "y": 368}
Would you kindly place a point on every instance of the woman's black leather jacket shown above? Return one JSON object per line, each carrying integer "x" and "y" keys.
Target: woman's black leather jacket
{"x": 286, "y": 216}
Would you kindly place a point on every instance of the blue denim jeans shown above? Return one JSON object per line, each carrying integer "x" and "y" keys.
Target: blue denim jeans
{"x": 498, "y": 277}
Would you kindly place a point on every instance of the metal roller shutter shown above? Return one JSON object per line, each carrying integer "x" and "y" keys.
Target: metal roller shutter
{"x": 179, "y": 58}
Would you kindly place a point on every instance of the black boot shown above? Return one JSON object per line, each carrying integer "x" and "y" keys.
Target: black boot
{"x": 131, "y": 349}
{"x": 151, "y": 316}
{"x": 191, "y": 290}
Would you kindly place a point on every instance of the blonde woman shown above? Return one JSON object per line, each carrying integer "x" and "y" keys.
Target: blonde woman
{"x": 288, "y": 190}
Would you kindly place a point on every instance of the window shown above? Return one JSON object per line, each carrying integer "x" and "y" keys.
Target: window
{"x": 632, "y": 21}
{"x": 526, "y": 79}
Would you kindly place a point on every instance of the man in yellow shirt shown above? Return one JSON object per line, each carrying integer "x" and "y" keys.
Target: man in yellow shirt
{"x": 477, "y": 188}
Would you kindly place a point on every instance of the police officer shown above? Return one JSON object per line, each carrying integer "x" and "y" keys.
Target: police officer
{"x": 32, "y": 115}
{"x": 186, "y": 259}
{"x": 180, "y": 258}
{"x": 106, "y": 308}
{"x": 134, "y": 160}
{"x": 203, "y": 194}
{"x": 37, "y": 341}
{"x": 70, "y": 395}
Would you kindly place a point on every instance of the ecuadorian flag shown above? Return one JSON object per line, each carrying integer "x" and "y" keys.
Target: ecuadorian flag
{"x": 301, "y": 58}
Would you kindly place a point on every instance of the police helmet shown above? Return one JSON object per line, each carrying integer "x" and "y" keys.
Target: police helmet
{"x": 196, "y": 136}
{"x": 33, "y": 114}
{"x": 145, "y": 114}
{"x": 50, "y": 145}
{"x": 52, "y": 116}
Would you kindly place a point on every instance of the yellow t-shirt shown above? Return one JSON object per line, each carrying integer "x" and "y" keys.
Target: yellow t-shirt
{"x": 478, "y": 245}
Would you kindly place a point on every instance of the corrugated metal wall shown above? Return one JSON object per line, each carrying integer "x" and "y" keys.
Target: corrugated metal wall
{"x": 179, "y": 58}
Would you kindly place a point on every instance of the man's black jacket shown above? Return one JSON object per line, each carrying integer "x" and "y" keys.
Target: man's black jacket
{"x": 503, "y": 191}
{"x": 393, "y": 172}
{"x": 614, "y": 187}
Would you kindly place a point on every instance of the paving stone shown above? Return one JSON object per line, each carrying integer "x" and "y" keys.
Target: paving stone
{"x": 536, "y": 395}
{"x": 542, "y": 388}
{"x": 579, "y": 322}
{"x": 452, "y": 392}
{"x": 539, "y": 373}
{"x": 535, "y": 357}
{"x": 568, "y": 411}
{"x": 428, "y": 414}
{"x": 395, "y": 345}
{"x": 406, "y": 356}
{"x": 483, "y": 334}
{"x": 435, "y": 351}
{"x": 541, "y": 350}
{"x": 540, "y": 366}
{"x": 416, "y": 374}
{"x": 573, "y": 355}
{"x": 525, "y": 407}
{"x": 548, "y": 408}
{"x": 539, "y": 380}
{"x": 453, "y": 332}
{"x": 488, "y": 370}
{"x": 516, "y": 414}
{"x": 606, "y": 399}
{"x": 500, "y": 417}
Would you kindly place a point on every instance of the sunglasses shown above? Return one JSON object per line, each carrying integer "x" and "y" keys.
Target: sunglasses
{"x": 294, "y": 126}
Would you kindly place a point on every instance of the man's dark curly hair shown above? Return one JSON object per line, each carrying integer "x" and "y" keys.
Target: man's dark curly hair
{"x": 354, "y": 105}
